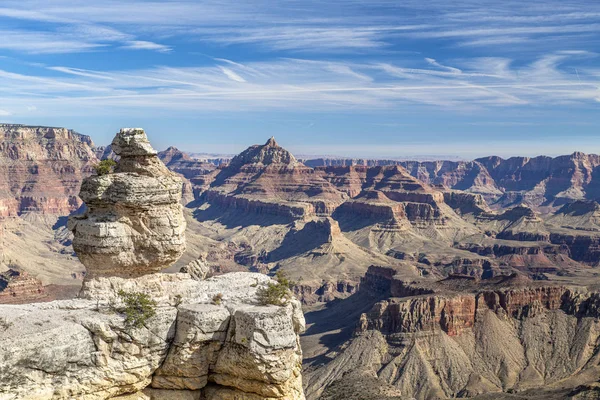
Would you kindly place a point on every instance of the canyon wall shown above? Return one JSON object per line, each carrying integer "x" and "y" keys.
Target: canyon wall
{"x": 42, "y": 169}
{"x": 461, "y": 337}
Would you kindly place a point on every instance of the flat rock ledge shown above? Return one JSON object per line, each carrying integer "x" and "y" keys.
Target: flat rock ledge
{"x": 209, "y": 340}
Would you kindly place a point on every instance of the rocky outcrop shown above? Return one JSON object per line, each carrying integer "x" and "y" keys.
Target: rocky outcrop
{"x": 133, "y": 224}
{"x": 207, "y": 338}
{"x": 41, "y": 169}
{"x": 582, "y": 247}
{"x": 535, "y": 181}
{"x": 466, "y": 203}
{"x": 168, "y": 335}
{"x": 269, "y": 180}
{"x": 19, "y": 287}
{"x": 347, "y": 162}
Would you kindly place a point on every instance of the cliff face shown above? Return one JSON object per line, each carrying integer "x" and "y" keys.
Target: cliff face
{"x": 182, "y": 163}
{"x": 537, "y": 180}
{"x": 19, "y": 287}
{"x": 41, "y": 169}
{"x": 193, "y": 346}
{"x": 459, "y": 175}
{"x": 462, "y": 338}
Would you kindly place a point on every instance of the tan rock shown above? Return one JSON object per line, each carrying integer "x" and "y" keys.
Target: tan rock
{"x": 134, "y": 223}
{"x": 82, "y": 349}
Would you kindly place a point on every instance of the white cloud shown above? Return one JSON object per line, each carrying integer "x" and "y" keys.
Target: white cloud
{"x": 309, "y": 85}
{"x": 145, "y": 45}
{"x": 44, "y": 43}
{"x": 232, "y": 75}
{"x": 338, "y": 26}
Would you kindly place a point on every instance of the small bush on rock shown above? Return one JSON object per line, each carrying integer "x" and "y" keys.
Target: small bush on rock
{"x": 277, "y": 294}
{"x": 217, "y": 298}
{"x": 138, "y": 309}
{"x": 105, "y": 167}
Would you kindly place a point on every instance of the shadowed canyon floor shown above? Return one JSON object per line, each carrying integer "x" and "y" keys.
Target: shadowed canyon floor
{"x": 420, "y": 279}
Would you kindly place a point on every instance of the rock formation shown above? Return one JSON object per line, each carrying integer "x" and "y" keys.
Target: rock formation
{"x": 460, "y": 337}
{"x": 269, "y": 180}
{"x": 182, "y": 163}
{"x": 41, "y": 169}
{"x": 535, "y": 181}
{"x": 225, "y": 349}
{"x": 133, "y": 224}
{"x": 214, "y": 339}
{"x": 19, "y": 287}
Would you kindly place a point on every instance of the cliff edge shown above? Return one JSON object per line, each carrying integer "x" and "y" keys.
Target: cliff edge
{"x": 140, "y": 334}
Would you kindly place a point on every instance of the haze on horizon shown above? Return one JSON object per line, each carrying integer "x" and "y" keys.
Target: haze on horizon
{"x": 343, "y": 78}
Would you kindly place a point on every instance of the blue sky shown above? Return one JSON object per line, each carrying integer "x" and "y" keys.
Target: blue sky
{"x": 357, "y": 78}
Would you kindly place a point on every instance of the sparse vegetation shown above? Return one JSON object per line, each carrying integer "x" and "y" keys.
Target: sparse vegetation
{"x": 217, "y": 298}
{"x": 105, "y": 167}
{"x": 277, "y": 294}
{"x": 138, "y": 308}
{"x": 178, "y": 300}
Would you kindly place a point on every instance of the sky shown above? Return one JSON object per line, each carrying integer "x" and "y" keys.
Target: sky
{"x": 375, "y": 78}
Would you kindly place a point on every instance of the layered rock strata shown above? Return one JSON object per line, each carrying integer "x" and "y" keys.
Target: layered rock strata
{"x": 535, "y": 181}
{"x": 460, "y": 337}
{"x": 230, "y": 348}
{"x": 134, "y": 223}
{"x": 20, "y": 287}
{"x": 41, "y": 169}
{"x": 269, "y": 180}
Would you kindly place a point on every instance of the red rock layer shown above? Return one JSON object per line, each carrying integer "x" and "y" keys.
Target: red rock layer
{"x": 268, "y": 179}
{"x": 18, "y": 287}
{"x": 41, "y": 169}
{"x": 454, "y": 313}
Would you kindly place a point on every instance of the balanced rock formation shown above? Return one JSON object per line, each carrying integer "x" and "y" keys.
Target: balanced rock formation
{"x": 208, "y": 339}
{"x": 134, "y": 223}
{"x": 142, "y": 334}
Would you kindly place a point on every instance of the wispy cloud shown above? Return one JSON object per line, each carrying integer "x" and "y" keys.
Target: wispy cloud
{"x": 145, "y": 45}
{"x": 182, "y": 56}
{"x": 232, "y": 75}
{"x": 311, "y": 85}
{"x": 311, "y": 26}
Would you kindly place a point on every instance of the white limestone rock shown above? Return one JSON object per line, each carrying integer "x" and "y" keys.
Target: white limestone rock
{"x": 82, "y": 349}
{"x": 134, "y": 222}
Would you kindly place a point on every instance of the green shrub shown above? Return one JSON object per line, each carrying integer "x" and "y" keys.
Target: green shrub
{"x": 105, "y": 167}
{"x": 277, "y": 294}
{"x": 217, "y": 298}
{"x": 138, "y": 308}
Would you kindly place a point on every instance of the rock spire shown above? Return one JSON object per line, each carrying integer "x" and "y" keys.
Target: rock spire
{"x": 134, "y": 223}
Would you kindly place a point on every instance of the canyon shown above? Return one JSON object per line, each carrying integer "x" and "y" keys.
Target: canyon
{"x": 133, "y": 331}
{"x": 423, "y": 279}
{"x": 461, "y": 337}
